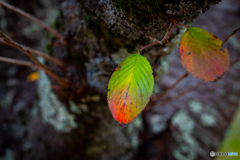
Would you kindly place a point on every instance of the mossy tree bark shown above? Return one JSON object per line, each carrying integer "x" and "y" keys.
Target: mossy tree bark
{"x": 100, "y": 34}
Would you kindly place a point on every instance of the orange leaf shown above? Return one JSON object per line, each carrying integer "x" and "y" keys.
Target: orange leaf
{"x": 202, "y": 54}
{"x": 33, "y": 76}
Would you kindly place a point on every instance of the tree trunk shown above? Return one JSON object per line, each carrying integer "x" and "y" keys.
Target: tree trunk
{"x": 100, "y": 35}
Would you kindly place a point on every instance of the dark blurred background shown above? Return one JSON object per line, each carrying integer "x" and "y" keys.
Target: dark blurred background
{"x": 184, "y": 129}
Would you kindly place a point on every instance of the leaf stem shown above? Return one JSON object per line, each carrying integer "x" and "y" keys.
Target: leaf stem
{"x": 152, "y": 44}
{"x": 32, "y": 18}
{"x": 165, "y": 38}
{"x": 180, "y": 25}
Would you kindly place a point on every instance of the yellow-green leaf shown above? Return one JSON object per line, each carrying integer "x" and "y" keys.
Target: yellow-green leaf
{"x": 130, "y": 88}
{"x": 202, "y": 54}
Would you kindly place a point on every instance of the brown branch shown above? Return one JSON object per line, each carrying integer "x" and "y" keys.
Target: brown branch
{"x": 165, "y": 38}
{"x": 170, "y": 88}
{"x": 179, "y": 80}
{"x": 19, "y": 62}
{"x": 56, "y": 77}
{"x": 175, "y": 97}
{"x": 157, "y": 42}
{"x": 28, "y": 53}
{"x": 179, "y": 95}
{"x": 235, "y": 61}
{"x": 152, "y": 44}
{"x": 32, "y": 65}
{"x": 37, "y": 53}
{"x": 21, "y": 12}
{"x": 235, "y": 31}
{"x": 154, "y": 39}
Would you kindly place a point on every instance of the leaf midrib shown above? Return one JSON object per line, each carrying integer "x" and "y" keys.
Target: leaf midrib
{"x": 134, "y": 69}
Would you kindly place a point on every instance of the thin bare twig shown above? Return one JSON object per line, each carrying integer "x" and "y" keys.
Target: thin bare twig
{"x": 235, "y": 31}
{"x": 165, "y": 38}
{"x": 170, "y": 88}
{"x": 56, "y": 77}
{"x": 28, "y": 53}
{"x": 33, "y": 65}
{"x": 179, "y": 80}
{"x": 175, "y": 97}
{"x": 181, "y": 94}
{"x": 37, "y": 53}
{"x": 154, "y": 39}
{"x": 19, "y": 62}
{"x": 235, "y": 61}
{"x": 21, "y": 12}
{"x": 152, "y": 44}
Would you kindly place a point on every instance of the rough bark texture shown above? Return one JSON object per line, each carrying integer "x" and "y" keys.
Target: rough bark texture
{"x": 76, "y": 123}
{"x": 196, "y": 123}
{"x": 101, "y": 34}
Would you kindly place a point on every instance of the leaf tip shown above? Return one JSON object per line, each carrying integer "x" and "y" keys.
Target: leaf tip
{"x": 123, "y": 125}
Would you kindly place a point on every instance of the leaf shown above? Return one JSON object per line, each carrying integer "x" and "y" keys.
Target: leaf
{"x": 202, "y": 54}
{"x": 32, "y": 77}
{"x": 130, "y": 88}
{"x": 231, "y": 141}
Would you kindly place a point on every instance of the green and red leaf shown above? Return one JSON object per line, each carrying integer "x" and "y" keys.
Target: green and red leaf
{"x": 130, "y": 88}
{"x": 202, "y": 54}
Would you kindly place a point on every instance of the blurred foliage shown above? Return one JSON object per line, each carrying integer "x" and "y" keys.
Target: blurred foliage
{"x": 231, "y": 142}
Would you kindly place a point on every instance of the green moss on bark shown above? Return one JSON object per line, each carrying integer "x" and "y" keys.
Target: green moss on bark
{"x": 112, "y": 39}
{"x": 144, "y": 11}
